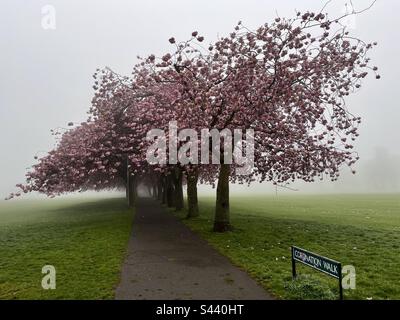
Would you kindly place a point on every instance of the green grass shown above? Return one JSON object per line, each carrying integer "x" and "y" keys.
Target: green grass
{"x": 358, "y": 230}
{"x": 85, "y": 240}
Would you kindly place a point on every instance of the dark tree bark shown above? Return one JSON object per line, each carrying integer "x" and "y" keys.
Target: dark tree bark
{"x": 222, "y": 219}
{"x": 178, "y": 188}
{"x": 160, "y": 190}
{"x": 193, "y": 205}
{"x": 131, "y": 191}
{"x": 126, "y": 180}
{"x": 164, "y": 190}
{"x": 170, "y": 191}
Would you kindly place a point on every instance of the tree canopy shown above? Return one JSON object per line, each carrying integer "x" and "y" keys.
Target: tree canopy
{"x": 288, "y": 81}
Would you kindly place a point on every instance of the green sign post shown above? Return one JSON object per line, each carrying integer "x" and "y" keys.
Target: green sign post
{"x": 328, "y": 266}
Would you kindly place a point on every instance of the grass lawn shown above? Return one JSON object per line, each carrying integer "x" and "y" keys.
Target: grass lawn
{"x": 358, "y": 230}
{"x": 84, "y": 239}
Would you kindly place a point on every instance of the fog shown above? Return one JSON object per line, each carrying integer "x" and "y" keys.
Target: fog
{"x": 46, "y": 75}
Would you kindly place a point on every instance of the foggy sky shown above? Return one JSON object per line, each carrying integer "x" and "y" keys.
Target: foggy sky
{"x": 46, "y": 75}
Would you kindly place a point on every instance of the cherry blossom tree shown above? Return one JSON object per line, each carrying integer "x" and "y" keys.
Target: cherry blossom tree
{"x": 287, "y": 80}
{"x": 81, "y": 161}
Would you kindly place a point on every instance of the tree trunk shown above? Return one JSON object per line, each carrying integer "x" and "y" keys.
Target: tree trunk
{"x": 135, "y": 189}
{"x": 222, "y": 220}
{"x": 178, "y": 188}
{"x": 170, "y": 191}
{"x": 131, "y": 191}
{"x": 160, "y": 190}
{"x": 164, "y": 191}
{"x": 193, "y": 206}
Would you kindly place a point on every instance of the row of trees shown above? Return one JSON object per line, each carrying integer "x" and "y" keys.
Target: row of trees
{"x": 287, "y": 80}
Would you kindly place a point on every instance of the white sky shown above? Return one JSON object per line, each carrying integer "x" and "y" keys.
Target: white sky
{"x": 46, "y": 75}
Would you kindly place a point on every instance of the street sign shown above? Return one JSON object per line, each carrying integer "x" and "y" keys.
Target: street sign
{"x": 328, "y": 266}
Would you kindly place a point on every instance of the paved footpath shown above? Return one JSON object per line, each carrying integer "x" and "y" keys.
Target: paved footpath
{"x": 166, "y": 260}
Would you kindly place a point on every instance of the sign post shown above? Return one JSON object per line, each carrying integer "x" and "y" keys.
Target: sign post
{"x": 328, "y": 266}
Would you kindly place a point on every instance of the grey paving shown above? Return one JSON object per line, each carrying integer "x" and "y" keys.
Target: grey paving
{"x": 166, "y": 260}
